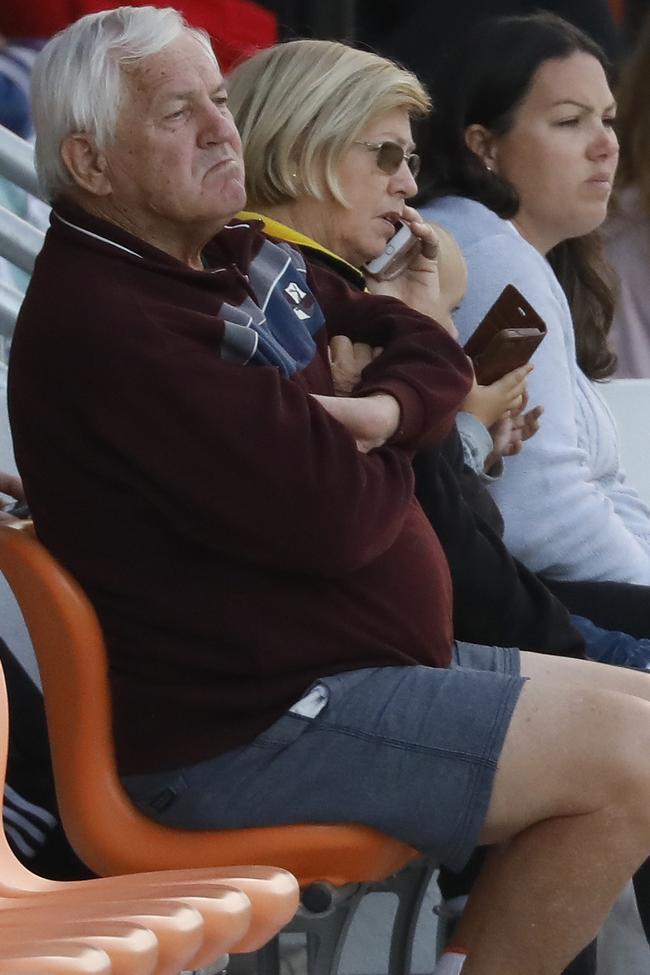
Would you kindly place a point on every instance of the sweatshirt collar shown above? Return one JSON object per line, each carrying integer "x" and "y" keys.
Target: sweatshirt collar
{"x": 283, "y": 232}
{"x": 225, "y": 249}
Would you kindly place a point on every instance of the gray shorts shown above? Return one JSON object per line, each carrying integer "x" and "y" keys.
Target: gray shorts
{"x": 410, "y": 751}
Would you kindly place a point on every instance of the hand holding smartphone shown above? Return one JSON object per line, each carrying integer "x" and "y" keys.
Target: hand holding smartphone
{"x": 506, "y": 337}
{"x": 397, "y": 256}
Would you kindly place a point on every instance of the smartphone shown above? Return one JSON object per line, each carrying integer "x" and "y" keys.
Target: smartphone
{"x": 509, "y": 349}
{"x": 397, "y": 255}
{"x": 506, "y": 338}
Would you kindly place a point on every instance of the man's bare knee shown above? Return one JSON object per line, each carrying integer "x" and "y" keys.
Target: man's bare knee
{"x": 569, "y": 751}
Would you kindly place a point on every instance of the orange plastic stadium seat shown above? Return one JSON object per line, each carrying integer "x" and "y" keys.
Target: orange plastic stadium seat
{"x": 53, "y": 958}
{"x": 111, "y": 835}
{"x": 131, "y": 948}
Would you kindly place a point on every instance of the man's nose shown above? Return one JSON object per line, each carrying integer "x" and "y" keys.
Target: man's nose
{"x": 217, "y": 124}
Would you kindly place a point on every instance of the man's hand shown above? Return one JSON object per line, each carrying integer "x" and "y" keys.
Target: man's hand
{"x": 371, "y": 420}
{"x": 13, "y": 486}
{"x": 348, "y": 360}
{"x": 419, "y": 284}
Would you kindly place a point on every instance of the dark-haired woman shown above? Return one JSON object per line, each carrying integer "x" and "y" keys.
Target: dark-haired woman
{"x": 522, "y": 155}
{"x": 518, "y": 163}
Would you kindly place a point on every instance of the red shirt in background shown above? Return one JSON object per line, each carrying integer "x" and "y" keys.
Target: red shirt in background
{"x": 237, "y": 27}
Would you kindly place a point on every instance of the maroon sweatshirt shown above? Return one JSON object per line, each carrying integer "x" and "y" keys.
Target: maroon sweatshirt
{"x": 234, "y": 542}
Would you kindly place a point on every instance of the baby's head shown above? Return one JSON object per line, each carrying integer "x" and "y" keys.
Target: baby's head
{"x": 452, "y": 273}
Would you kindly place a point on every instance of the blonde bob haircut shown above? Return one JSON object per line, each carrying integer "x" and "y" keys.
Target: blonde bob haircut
{"x": 299, "y": 106}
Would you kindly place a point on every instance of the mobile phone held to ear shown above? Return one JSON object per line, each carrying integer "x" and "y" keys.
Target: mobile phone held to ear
{"x": 506, "y": 338}
{"x": 397, "y": 256}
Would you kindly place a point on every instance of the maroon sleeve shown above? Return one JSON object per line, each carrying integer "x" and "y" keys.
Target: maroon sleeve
{"x": 421, "y": 365}
{"x": 237, "y": 457}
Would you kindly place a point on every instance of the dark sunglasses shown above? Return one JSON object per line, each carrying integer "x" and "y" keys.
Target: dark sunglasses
{"x": 391, "y": 155}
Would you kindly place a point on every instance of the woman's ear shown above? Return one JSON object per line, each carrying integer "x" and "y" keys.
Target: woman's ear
{"x": 482, "y": 143}
{"x": 86, "y": 163}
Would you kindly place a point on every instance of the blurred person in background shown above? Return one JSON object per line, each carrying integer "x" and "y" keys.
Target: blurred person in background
{"x": 627, "y": 229}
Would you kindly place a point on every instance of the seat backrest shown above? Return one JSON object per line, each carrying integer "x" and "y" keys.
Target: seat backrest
{"x": 72, "y": 662}
{"x": 629, "y": 401}
{"x": 103, "y": 826}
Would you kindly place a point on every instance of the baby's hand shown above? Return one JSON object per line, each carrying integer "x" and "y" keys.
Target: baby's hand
{"x": 509, "y": 433}
{"x": 490, "y": 403}
{"x": 529, "y": 422}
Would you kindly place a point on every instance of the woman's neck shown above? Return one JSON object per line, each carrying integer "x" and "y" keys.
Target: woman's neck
{"x": 535, "y": 237}
{"x": 303, "y": 217}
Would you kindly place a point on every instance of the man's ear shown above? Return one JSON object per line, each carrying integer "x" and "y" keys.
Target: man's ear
{"x": 86, "y": 163}
{"x": 482, "y": 143}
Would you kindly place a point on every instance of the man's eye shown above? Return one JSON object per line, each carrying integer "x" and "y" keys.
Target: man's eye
{"x": 568, "y": 122}
{"x": 175, "y": 115}
{"x": 609, "y": 121}
{"x": 221, "y": 101}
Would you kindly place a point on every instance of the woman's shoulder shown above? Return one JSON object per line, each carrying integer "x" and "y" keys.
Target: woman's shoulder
{"x": 497, "y": 255}
{"x": 491, "y": 245}
{"x": 468, "y": 220}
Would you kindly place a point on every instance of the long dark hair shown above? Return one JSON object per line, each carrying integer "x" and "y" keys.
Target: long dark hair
{"x": 484, "y": 81}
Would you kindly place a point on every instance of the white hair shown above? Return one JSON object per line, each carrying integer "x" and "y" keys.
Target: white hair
{"x": 77, "y": 79}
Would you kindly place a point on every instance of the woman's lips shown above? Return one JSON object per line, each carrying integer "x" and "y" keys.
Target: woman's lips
{"x": 601, "y": 178}
{"x": 391, "y": 220}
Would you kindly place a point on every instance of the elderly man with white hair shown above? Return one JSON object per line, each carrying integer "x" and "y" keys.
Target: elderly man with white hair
{"x": 275, "y": 604}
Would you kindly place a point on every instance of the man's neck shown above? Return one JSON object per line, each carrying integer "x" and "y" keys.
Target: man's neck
{"x": 187, "y": 251}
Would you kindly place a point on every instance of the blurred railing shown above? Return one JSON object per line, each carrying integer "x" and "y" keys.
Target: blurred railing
{"x": 20, "y": 241}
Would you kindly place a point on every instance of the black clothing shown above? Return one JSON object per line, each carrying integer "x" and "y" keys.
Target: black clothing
{"x": 612, "y": 605}
{"x": 497, "y": 600}
{"x": 31, "y": 816}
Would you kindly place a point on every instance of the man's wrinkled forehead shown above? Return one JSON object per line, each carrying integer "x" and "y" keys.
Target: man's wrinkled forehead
{"x": 178, "y": 68}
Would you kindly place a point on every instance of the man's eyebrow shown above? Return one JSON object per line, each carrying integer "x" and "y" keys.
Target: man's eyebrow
{"x": 176, "y": 96}
{"x": 182, "y": 96}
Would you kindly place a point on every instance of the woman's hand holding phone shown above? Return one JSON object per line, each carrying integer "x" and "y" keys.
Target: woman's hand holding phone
{"x": 418, "y": 283}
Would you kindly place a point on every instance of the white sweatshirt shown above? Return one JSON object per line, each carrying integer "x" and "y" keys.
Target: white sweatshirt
{"x": 568, "y": 509}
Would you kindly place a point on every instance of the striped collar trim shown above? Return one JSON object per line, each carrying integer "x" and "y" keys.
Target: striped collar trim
{"x": 89, "y": 233}
{"x": 276, "y": 229}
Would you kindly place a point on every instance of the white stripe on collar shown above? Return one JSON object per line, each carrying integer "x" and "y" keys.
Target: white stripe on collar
{"x": 107, "y": 240}
{"x": 89, "y": 233}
